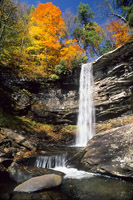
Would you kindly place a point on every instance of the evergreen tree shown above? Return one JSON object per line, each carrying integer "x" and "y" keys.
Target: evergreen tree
{"x": 88, "y": 33}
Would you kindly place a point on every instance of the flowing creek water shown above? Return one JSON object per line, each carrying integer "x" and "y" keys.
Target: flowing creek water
{"x": 77, "y": 184}
{"x": 82, "y": 185}
{"x": 58, "y": 162}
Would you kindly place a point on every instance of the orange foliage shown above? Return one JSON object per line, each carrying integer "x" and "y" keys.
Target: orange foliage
{"x": 47, "y": 25}
{"x": 71, "y": 51}
{"x": 119, "y": 32}
{"x": 46, "y": 28}
{"x": 46, "y": 49}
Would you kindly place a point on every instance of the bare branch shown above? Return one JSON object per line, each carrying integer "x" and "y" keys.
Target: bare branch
{"x": 114, "y": 13}
{"x": 120, "y": 17}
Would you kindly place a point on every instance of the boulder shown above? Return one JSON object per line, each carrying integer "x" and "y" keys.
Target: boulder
{"x": 109, "y": 152}
{"x": 20, "y": 173}
{"x": 39, "y": 183}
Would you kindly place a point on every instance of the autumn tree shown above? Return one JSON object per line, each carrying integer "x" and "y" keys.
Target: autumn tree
{"x": 46, "y": 27}
{"x": 12, "y": 31}
{"x": 33, "y": 41}
{"x": 47, "y": 31}
{"x": 72, "y": 52}
{"x": 119, "y": 32}
{"x": 7, "y": 13}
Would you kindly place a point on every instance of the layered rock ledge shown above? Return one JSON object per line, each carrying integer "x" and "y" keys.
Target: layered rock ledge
{"x": 113, "y": 73}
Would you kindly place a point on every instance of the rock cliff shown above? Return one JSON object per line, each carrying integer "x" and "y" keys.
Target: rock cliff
{"x": 57, "y": 102}
{"x": 113, "y": 73}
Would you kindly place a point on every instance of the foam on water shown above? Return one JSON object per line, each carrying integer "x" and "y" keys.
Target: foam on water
{"x": 73, "y": 173}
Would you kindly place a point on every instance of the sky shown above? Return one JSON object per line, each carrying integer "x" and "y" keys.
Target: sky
{"x": 70, "y": 4}
{"x": 63, "y": 4}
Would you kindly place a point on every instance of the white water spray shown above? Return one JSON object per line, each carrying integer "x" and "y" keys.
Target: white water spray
{"x": 58, "y": 163}
{"x": 86, "y": 117}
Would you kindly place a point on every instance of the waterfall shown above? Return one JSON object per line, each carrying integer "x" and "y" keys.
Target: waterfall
{"x": 86, "y": 117}
{"x": 51, "y": 161}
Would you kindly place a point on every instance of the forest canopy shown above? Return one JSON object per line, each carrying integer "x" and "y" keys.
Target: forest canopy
{"x": 44, "y": 42}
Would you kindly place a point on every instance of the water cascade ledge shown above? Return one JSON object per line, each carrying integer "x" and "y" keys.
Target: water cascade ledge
{"x": 59, "y": 163}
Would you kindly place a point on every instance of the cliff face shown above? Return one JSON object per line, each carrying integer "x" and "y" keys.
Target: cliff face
{"x": 57, "y": 103}
{"x": 113, "y": 73}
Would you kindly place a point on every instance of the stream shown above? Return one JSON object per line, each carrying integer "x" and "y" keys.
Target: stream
{"x": 81, "y": 185}
{"x": 77, "y": 184}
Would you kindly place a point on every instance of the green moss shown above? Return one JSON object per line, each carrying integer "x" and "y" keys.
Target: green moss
{"x": 28, "y": 126}
{"x": 26, "y": 92}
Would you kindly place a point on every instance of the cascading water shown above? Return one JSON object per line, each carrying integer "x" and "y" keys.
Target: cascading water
{"x": 86, "y": 117}
{"x": 51, "y": 161}
{"x": 58, "y": 162}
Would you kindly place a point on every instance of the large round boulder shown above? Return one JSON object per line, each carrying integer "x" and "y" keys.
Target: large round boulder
{"x": 39, "y": 183}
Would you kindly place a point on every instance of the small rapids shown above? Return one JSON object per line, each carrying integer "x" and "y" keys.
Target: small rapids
{"x": 58, "y": 163}
{"x": 74, "y": 173}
